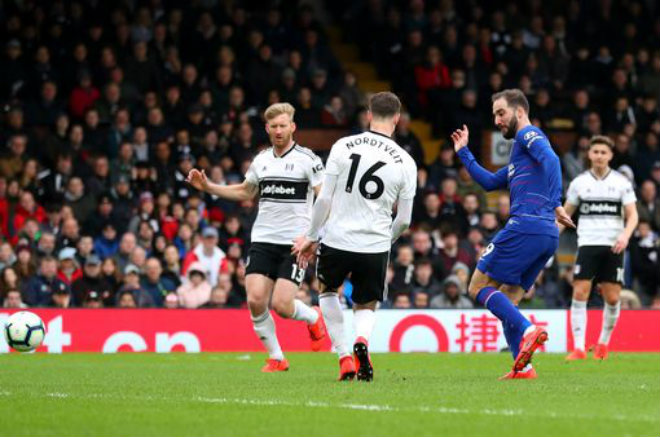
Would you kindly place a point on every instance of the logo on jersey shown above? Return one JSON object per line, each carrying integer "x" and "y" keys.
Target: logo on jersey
{"x": 600, "y": 207}
{"x": 283, "y": 190}
{"x": 512, "y": 170}
{"x": 529, "y": 135}
{"x": 576, "y": 269}
{"x": 289, "y": 167}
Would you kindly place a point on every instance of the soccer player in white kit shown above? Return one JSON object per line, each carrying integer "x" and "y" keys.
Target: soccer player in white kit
{"x": 366, "y": 175}
{"x": 603, "y": 197}
{"x": 285, "y": 177}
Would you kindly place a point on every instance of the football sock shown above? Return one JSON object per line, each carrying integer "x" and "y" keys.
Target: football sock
{"x": 363, "y": 323}
{"x": 500, "y": 305}
{"x": 579, "y": 323}
{"x": 334, "y": 321}
{"x": 264, "y": 326}
{"x": 610, "y": 317}
{"x": 304, "y": 313}
{"x": 513, "y": 338}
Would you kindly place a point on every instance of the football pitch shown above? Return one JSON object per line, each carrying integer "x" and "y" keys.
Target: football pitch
{"x": 412, "y": 395}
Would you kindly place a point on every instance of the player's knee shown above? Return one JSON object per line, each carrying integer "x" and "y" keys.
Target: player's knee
{"x": 257, "y": 305}
{"x": 581, "y": 293}
{"x": 283, "y": 308}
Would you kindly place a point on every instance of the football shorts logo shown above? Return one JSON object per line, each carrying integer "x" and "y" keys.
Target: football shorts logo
{"x": 488, "y": 250}
{"x": 619, "y": 274}
{"x": 576, "y": 269}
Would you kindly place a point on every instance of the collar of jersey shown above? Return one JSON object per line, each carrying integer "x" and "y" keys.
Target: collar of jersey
{"x": 378, "y": 133}
{"x": 285, "y": 153}
{"x": 596, "y": 177}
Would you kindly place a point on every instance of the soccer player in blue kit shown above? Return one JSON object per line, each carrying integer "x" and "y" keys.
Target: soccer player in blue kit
{"x": 512, "y": 261}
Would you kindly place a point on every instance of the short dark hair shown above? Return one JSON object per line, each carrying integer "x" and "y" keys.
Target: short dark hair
{"x": 384, "y": 105}
{"x": 601, "y": 139}
{"x": 514, "y": 97}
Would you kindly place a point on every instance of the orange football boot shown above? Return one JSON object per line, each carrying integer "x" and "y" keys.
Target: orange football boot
{"x": 317, "y": 331}
{"x": 530, "y": 374}
{"x": 577, "y": 354}
{"x": 273, "y": 365}
{"x": 346, "y": 368}
{"x": 528, "y": 346}
{"x": 600, "y": 352}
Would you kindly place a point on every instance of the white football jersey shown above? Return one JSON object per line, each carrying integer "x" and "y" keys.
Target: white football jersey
{"x": 286, "y": 194}
{"x": 373, "y": 172}
{"x": 600, "y": 206}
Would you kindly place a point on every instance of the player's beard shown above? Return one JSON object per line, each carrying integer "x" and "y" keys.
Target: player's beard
{"x": 283, "y": 143}
{"x": 511, "y": 129}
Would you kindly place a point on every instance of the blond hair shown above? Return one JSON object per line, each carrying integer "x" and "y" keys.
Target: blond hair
{"x": 277, "y": 109}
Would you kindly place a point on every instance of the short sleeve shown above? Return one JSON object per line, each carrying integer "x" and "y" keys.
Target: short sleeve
{"x": 572, "y": 195}
{"x": 316, "y": 172}
{"x": 409, "y": 186}
{"x": 251, "y": 176}
{"x": 628, "y": 194}
{"x": 333, "y": 165}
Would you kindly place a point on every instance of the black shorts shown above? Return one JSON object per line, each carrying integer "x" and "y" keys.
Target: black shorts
{"x": 274, "y": 261}
{"x": 599, "y": 263}
{"x": 367, "y": 272}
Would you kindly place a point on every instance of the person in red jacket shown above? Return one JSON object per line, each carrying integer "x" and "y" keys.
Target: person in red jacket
{"x": 431, "y": 75}
{"x": 83, "y": 96}
{"x": 27, "y": 208}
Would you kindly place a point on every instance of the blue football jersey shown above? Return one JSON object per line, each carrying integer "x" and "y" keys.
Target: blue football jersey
{"x": 533, "y": 177}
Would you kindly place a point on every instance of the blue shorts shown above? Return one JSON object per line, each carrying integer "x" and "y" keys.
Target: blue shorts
{"x": 517, "y": 259}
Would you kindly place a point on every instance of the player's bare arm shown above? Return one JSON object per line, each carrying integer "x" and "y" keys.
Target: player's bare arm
{"x": 568, "y": 210}
{"x": 632, "y": 219}
{"x": 460, "y": 137}
{"x": 236, "y": 192}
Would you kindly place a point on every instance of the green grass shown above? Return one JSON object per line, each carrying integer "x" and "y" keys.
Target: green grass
{"x": 412, "y": 395}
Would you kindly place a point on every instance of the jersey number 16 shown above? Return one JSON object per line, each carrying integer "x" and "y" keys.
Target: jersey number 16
{"x": 366, "y": 177}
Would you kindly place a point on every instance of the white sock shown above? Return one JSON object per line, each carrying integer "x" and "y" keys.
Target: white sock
{"x": 264, "y": 326}
{"x": 304, "y": 313}
{"x": 578, "y": 323}
{"x": 363, "y": 323}
{"x": 334, "y": 322}
{"x": 610, "y": 317}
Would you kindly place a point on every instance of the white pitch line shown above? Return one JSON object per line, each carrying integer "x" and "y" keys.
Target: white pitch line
{"x": 435, "y": 410}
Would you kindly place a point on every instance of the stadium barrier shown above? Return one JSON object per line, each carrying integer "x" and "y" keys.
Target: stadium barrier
{"x": 162, "y": 330}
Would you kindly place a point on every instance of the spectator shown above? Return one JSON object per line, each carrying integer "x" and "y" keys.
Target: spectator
{"x": 451, "y": 253}
{"x": 401, "y": 301}
{"x": 452, "y": 296}
{"x": 421, "y": 300}
{"x": 92, "y": 300}
{"x": 648, "y": 205}
{"x": 131, "y": 283}
{"x": 208, "y": 254}
{"x": 61, "y": 298}
{"x": 218, "y": 299}
{"x": 13, "y": 299}
{"x": 424, "y": 281}
{"x": 196, "y": 290}
{"x": 153, "y": 283}
{"x": 92, "y": 280}
{"x": 645, "y": 261}
{"x": 40, "y": 289}
{"x": 69, "y": 270}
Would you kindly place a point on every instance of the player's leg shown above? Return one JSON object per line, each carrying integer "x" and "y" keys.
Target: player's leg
{"x": 611, "y": 292}
{"x": 610, "y": 278}
{"x": 258, "y": 289}
{"x": 369, "y": 288}
{"x": 586, "y": 267}
{"x": 581, "y": 291}
{"x": 259, "y": 283}
{"x": 503, "y": 262}
{"x": 513, "y": 336}
{"x": 331, "y": 271}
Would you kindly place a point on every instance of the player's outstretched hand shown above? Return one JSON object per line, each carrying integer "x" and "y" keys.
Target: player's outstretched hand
{"x": 303, "y": 249}
{"x": 197, "y": 179}
{"x": 460, "y": 138}
{"x": 620, "y": 244}
{"x": 563, "y": 218}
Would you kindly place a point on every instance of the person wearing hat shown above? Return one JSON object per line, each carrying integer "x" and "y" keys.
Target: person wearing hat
{"x": 91, "y": 280}
{"x": 131, "y": 283}
{"x": 212, "y": 259}
{"x": 181, "y": 188}
{"x": 69, "y": 270}
{"x": 61, "y": 297}
{"x": 41, "y": 287}
{"x": 92, "y": 299}
{"x": 196, "y": 289}
{"x": 452, "y": 295}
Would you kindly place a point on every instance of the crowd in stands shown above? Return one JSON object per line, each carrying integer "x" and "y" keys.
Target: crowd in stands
{"x": 108, "y": 105}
